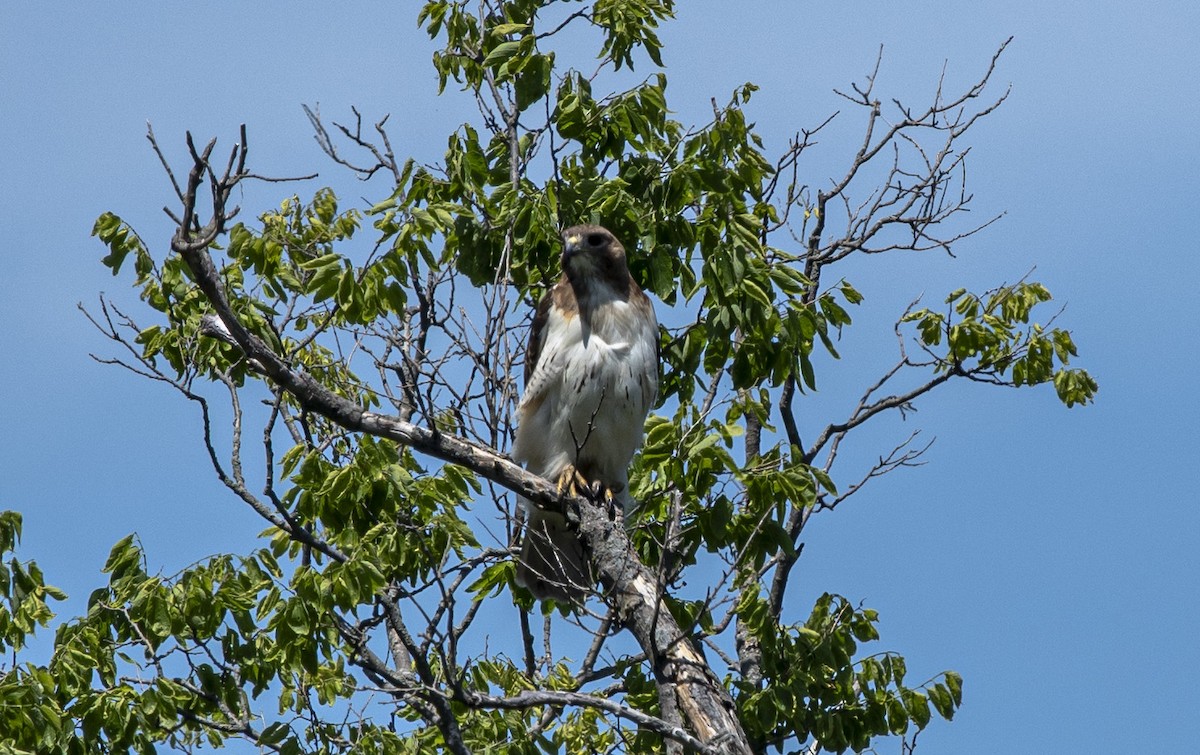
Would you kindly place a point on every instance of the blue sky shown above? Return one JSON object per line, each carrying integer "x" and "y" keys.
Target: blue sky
{"x": 1050, "y": 556}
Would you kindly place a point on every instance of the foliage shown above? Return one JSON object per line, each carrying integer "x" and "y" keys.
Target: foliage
{"x": 368, "y": 620}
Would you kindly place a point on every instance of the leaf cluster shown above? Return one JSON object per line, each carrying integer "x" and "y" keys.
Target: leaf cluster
{"x": 817, "y": 686}
{"x": 990, "y": 337}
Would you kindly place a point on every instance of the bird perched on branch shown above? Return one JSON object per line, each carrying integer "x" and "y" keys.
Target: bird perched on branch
{"x": 591, "y": 376}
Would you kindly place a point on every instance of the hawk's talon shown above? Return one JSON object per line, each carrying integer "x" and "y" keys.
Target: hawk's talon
{"x": 571, "y": 482}
{"x": 613, "y": 505}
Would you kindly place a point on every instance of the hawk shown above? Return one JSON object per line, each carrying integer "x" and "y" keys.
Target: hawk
{"x": 591, "y": 376}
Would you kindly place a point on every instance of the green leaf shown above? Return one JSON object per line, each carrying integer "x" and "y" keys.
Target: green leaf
{"x": 954, "y": 685}
{"x": 501, "y": 53}
{"x": 124, "y": 557}
{"x": 503, "y": 30}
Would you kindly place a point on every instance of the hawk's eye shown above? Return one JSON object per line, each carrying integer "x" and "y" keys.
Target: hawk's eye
{"x": 595, "y": 239}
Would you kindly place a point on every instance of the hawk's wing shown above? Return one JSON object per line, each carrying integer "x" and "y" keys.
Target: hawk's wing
{"x": 537, "y": 333}
{"x": 542, "y": 366}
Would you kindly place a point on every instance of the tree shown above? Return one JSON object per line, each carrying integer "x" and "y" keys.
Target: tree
{"x": 369, "y": 387}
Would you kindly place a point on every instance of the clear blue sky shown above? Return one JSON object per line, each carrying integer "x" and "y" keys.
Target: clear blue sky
{"x": 1050, "y": 556}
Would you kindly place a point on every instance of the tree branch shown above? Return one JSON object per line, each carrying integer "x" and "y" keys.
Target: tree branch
{"x": 532, "y": 698}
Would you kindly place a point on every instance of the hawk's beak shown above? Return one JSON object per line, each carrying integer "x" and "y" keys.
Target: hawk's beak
{"x": 571, "y": 245}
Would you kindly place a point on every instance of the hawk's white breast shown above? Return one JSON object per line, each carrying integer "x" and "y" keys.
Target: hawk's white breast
{"x": 587, "y": 400}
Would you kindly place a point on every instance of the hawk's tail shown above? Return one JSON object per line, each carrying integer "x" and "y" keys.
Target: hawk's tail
{"x": 552, "y": 565}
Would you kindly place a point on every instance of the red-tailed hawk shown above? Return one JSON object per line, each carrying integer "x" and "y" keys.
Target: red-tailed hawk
{"x": 591, "y": 376}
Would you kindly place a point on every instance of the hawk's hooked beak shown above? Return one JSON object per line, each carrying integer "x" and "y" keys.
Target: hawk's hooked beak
{"x": 572, "y": 245}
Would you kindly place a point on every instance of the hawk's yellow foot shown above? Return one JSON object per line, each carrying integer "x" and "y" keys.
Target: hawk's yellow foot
{"x": 571, "y": 482}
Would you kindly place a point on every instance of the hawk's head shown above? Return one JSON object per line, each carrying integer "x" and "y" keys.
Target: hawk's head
{"x": 592, "y": 254}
